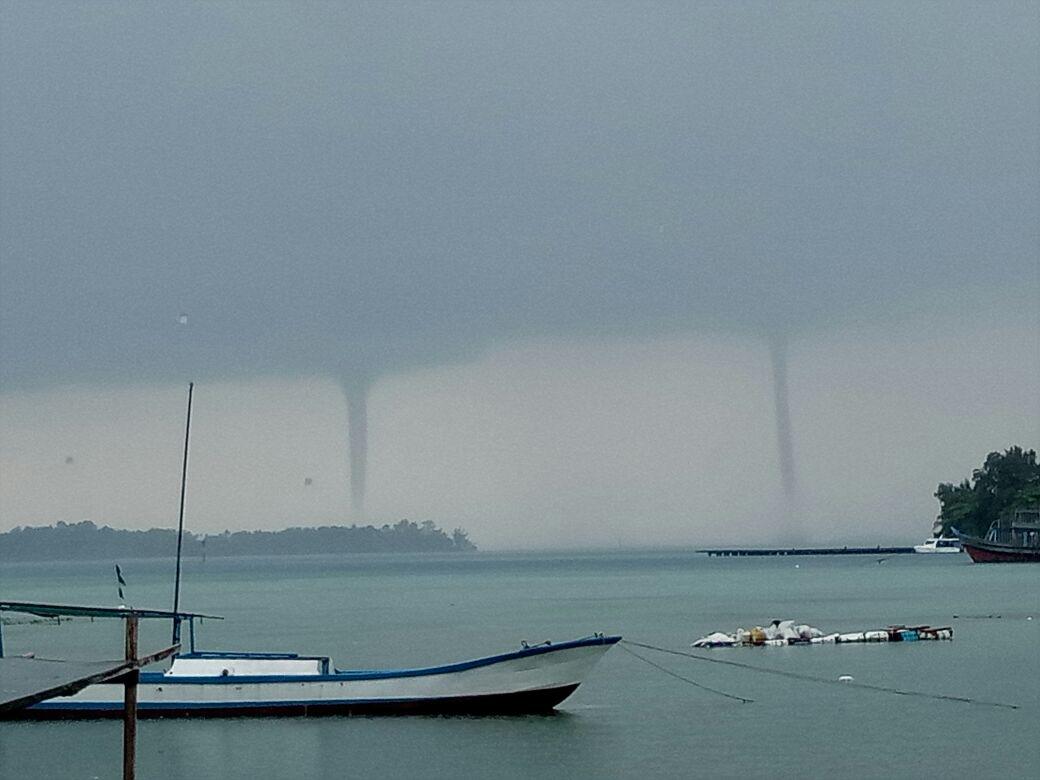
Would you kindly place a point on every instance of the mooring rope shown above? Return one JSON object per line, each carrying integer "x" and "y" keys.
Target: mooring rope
{"x": 694, "y": 683}
{"x": 814, "y": 678}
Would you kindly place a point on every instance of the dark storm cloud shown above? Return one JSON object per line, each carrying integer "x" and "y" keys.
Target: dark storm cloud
{"x": 354, "y": 188}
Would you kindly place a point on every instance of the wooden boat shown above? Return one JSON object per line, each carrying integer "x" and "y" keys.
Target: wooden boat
{"x": 533, "y": 679}
{"x": 1012, "y": 539}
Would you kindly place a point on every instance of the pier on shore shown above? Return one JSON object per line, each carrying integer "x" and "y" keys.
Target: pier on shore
{"x": 741, "y": 553}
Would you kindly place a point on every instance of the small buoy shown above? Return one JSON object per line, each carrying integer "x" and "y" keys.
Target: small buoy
{"x": 1029, "y": 618}
{"x": 845, "y": 678}
{"x": 798, "y": 565}
{"x": 183, "y": 319}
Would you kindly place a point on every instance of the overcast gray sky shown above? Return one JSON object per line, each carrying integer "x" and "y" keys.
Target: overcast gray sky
{"x": 554, "y": 239}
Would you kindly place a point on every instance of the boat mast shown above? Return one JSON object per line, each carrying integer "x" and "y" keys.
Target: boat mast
{"x": 180, "y": 523}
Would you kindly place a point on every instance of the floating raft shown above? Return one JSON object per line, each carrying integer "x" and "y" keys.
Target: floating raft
{"x": 785, "y": 634}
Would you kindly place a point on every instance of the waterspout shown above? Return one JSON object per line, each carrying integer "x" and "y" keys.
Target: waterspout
{"x": 782, "y": 410}
{"x": 356, "y": 391}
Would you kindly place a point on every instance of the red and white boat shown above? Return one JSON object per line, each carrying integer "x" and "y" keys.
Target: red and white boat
{"x": 1013, "y": 539}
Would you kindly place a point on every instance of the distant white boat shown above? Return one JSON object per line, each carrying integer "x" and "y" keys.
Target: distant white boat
{"x": 531, "y": 679}
{"x": 939, "y": 544}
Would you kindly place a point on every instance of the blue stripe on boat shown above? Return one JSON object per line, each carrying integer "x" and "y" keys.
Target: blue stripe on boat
{"x": 242, "y": 705}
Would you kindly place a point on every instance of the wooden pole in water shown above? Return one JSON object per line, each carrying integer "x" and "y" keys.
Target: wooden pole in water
{"x": 130, "y": 702}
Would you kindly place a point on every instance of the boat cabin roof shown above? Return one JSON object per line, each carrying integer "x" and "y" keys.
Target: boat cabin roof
{"x": 70, "y": 610}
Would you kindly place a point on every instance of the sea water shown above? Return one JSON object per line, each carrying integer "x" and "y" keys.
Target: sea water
{"x": 628, "y": 719}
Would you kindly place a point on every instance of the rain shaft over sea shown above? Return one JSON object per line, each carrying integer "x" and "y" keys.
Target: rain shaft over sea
{"x": 629, "y": 719}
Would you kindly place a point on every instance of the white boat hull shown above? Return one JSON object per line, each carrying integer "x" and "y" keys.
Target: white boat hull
{"x": 533, "y": 679}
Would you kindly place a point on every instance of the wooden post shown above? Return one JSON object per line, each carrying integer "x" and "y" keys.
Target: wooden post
{"x": 130, "y": 702}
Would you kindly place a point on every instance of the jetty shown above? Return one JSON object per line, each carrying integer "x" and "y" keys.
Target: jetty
{"x": 740, "y": 552}
{"x": 27, "y": 680}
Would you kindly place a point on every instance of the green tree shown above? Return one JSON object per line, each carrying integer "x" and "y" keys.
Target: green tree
{"x": 1006, "y": 481}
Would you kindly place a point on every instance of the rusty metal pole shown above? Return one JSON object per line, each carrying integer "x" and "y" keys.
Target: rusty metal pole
{"x": 130, "y": 702}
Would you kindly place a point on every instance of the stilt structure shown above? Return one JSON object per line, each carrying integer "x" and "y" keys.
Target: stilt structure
{"x": 25, "y": 681}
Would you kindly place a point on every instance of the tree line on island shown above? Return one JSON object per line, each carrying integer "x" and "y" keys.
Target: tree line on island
{"x": 86, "y": 541}
{"x": 1007, "y": 481}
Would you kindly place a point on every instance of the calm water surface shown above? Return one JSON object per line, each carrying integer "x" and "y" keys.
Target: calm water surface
{"x": 628, "y": 720}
